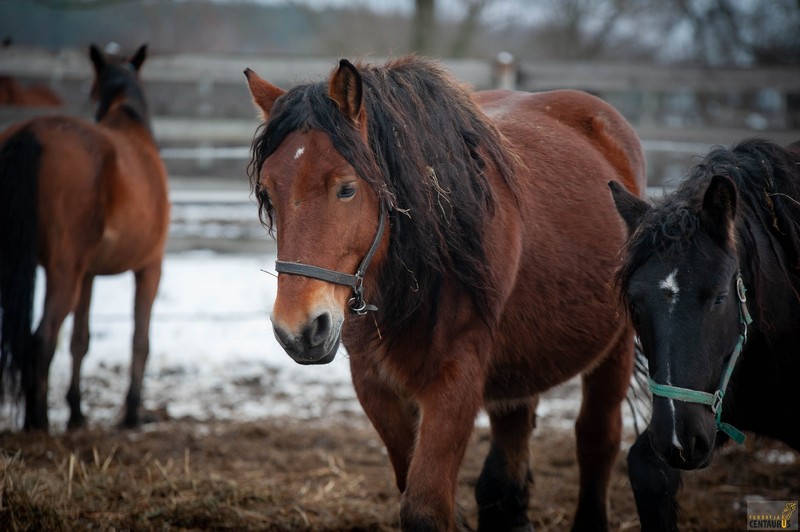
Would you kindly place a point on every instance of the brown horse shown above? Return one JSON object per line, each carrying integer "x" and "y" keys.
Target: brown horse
{"x": 12, "y": 93}
{"x": 81, "y": 199}
{"x": 486, "y": 282}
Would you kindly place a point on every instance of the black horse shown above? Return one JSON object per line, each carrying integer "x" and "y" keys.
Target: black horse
{"x": 698, "y": 264}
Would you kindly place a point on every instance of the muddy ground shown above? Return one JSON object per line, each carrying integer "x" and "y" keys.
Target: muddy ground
{"x": 288, "y": 474}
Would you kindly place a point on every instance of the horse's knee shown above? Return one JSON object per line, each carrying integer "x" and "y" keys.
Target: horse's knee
{"x": 655, "y": 486}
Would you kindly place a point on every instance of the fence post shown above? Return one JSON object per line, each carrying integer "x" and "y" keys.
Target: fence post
{"x": 505, "y": 71}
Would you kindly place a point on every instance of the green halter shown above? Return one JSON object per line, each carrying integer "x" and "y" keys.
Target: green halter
{"x": 714, "y": 400}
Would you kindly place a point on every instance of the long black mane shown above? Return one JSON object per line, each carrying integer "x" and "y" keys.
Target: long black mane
{"x": 767, "y": 179}
{"x": 428, "y": 150}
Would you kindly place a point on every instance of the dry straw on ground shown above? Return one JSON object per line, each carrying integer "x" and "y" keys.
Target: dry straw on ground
{"x": 281, "y": 474}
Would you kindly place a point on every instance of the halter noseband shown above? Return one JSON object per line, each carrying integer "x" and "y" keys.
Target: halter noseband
{"x": 356, "y": 303}
{"x": 714, "y": 400}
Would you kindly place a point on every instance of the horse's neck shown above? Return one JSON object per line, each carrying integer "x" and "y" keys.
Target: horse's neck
{"x": 773, "y": 286}
{"x": 124, "y": 111}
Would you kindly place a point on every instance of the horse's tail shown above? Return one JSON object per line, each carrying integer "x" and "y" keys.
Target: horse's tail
{"x": 20, "y": 159}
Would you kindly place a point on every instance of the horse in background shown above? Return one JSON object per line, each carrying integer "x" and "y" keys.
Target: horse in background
{"x": 13, "y": 93}
{"x": 483, "y": 243}
{"x": 711, "y": 277}
{"x": 81, "y": 199}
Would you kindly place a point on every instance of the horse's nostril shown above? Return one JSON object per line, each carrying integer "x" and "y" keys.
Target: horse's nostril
{"x": 318, "y": 331}
{"x": 700, "y": 446}
{"x": 284, "y": 338}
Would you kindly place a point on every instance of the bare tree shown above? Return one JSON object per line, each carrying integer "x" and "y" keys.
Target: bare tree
{"x": 468, "y": 27}
{"x": 424, "y": 26}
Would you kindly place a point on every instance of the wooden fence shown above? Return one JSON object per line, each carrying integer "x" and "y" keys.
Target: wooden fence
{"x": 204, "y": 119}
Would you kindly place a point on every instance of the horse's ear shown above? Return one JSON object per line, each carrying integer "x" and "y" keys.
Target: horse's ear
{"x": 719, "y": 208}
{"x": 346, "y": 88}
{"x": 139, "y": 57}
{"x": 632, "y": 208}
{"x": 97, "y": 57}
{"x": 263, "y": 93}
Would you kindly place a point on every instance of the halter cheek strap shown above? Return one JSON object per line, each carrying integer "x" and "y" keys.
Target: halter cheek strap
{"x": 356, "y": 303}
{"x": 714, "y": 400}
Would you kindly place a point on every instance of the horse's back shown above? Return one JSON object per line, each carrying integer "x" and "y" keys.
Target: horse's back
{"x": 549, "y": 122}
{"x": 103, "y": 197}
{"x": 561, "y": 314}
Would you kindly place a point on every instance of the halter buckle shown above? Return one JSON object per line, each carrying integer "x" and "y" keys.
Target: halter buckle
{"x": 717, "y": 403}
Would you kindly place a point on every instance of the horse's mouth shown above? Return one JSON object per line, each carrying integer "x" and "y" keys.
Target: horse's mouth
{"x": 311, "y": 359}
{"x": 686, "y": 460}
{"x": 691, "y": 464}
{"x": 312, "y": 355}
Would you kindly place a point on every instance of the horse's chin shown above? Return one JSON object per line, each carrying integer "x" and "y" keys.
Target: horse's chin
{"x": 691, "y": 465}
{"x": 317, "y": 356}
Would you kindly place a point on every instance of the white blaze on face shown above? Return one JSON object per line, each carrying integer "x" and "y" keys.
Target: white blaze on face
{"x": 670, "y": 285}
{"x": 299, "y": 152}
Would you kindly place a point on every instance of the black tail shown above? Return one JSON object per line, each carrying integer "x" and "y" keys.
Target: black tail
{"x": 20, "y": 158}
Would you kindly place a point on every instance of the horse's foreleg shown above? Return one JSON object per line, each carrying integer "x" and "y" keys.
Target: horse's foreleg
{"x": 655, "y": 486}
{"x": 79, "y": 345}
{"x": 147, "y": 280}
{"x": 598, "y": 432}
{"x": 448, "y": 407}
{"x": 503, "y": 488}
{"x": 394, "y": 419}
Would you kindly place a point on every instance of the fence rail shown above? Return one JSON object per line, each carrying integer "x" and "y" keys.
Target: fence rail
{"x": 543, "y": 75}
{"x": 202, "y": 110}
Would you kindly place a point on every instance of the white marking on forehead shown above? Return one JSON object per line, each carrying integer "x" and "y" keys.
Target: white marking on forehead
{"x": 670, "y": 285}
{"x": 299, "y": 152}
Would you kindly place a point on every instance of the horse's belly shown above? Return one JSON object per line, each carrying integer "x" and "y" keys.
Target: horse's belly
{"x": 553, "y": 329}
{"x": 126, "y": 249}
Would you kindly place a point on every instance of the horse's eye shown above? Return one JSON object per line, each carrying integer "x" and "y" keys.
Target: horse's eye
{"x": 346, "y": 191}
{"x": 720, "y": 299}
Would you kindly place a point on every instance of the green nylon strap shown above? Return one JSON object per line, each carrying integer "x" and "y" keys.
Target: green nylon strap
{"x": 734, "y": 433}
{"x": 703, "y": 398}
{"x": 681, "y": 394}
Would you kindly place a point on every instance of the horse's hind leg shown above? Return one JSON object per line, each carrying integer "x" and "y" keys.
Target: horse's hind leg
{"x": 78, "y": 347}
{"x": 503, "y": 488}
{"x": 147, "y": 280}
{"x": 655, "y": 486}
{"x": 598, "y": 431}
{"x": 59, "y": 298}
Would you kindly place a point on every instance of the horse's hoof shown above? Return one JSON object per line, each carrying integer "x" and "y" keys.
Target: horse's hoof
{"x": 76, "y": 423}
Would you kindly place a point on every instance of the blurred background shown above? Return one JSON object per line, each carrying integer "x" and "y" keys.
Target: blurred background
{"x": 688, "y": 74}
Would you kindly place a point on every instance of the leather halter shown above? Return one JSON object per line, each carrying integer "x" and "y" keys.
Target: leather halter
{"x": 356, "y": 303}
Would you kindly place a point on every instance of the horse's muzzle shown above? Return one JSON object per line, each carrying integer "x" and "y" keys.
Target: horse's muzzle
{"x": 316, "y": 343}
{"x": 686, "y": 442}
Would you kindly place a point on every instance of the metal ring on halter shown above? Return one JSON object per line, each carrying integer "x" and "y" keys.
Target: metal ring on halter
{"x": 352, "y": 302}
{"x": 740, "y": 290}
